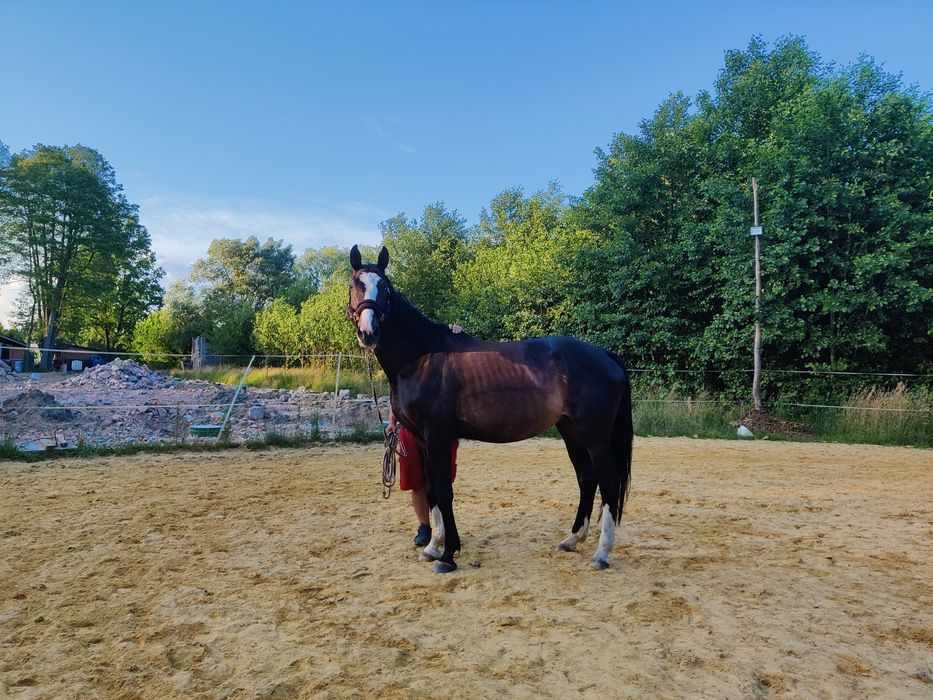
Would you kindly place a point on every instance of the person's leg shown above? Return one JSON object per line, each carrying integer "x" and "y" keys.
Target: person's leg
{"x": 411, "y": 478}
{"x": 419, "y": 501}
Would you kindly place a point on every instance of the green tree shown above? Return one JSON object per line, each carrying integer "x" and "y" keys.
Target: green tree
{"x": 245, "y": 270}
{"x": 513, "y": 282}
{"x": 118, "y": 292}
{"x": 152, "y": 338}
{"x": 61, "y": 211}
{"x": 322, "y": 323}
{"x": 424, "y": 255}
{"x": 843, "y": 157}
{"x": 276, "y": 329}
{"x": 231, "y": 331}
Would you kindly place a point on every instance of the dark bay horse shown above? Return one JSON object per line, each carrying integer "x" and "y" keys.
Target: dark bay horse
{"x": 446, "y": 386}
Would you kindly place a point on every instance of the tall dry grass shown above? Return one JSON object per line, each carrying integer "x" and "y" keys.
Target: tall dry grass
{"x": 320, "y": 378}
{"x": 896, "y": 416}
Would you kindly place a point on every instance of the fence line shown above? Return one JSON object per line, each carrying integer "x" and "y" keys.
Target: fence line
{"x": 660, "y": 370}
{"x": 112, "y": 407}
{"x": 855, "y": 408}
{"x": 778, "y": 371}
{"x": 75, "y": 351}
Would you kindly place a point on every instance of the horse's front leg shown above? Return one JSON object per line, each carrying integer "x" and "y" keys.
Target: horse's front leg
{"x": 438, "y": 449}
{"x": 432, "y": 552}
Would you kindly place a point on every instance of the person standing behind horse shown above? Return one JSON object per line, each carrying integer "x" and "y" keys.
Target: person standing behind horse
{"x": 411, "y": 471}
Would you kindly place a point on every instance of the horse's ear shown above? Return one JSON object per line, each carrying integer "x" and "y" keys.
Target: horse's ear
{"x": 356, "y": 260}
{"x": 383, "y": 259}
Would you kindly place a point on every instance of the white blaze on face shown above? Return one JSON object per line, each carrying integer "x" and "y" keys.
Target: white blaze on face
{"x": 370, "y": 282}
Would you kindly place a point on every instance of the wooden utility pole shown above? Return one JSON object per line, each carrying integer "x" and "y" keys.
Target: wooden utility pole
{"x": 756, "y": 234}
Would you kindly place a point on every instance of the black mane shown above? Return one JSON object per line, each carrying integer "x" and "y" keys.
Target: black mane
{"x": 420, "y": 331}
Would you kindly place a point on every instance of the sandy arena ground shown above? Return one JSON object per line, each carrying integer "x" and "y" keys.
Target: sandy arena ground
{"x": 742, "y": 570}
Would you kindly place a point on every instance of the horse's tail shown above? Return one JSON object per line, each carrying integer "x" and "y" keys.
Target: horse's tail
{"x": 622, "y": 436}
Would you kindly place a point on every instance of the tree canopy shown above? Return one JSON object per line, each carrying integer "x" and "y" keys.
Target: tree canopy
{"x": 68, "y": 231}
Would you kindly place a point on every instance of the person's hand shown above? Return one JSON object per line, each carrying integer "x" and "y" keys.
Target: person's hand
{"x": 454, "y": 328}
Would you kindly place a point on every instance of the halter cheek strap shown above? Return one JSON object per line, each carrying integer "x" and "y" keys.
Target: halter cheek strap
{"x": 353, "y": 313}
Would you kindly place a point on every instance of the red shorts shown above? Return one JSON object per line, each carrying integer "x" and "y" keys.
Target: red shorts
{"x": 410, "y": 474}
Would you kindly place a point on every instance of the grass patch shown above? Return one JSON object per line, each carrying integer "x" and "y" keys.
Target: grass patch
{"x": 361, "y": 432}
{"x": 898, "y": 416}
{"x": 317, "y": 378}
{"x": 8, "y": 449}
{"x": 674, "y": 415}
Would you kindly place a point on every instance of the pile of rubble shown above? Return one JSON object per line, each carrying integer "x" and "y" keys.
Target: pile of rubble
{"x": 29, "y": 404}
{"x": 121, "y": 374}
{"x": 6, "y": 372}
{"x": 125, "y": 402}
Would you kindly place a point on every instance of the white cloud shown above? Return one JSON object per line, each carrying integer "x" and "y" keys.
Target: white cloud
{"x": 181, "y": 232}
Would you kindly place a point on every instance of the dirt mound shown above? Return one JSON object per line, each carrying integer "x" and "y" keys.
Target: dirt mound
{"x": 28, "y": 402}
{"x": 762, "y": 423}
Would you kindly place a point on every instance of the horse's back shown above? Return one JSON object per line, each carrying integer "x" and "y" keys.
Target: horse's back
{"x": 577, "y": 357}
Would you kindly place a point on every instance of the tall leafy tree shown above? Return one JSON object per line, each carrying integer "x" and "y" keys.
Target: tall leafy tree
{"x": 247, "y": 271}
{"x": 170, "y": 329}
{"x": 117, "y": 293}
{"x": 844, "y": 160}
{"x": 62, "y": 210}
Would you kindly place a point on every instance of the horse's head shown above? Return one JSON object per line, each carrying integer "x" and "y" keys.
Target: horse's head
{"x": 370, "y": 297}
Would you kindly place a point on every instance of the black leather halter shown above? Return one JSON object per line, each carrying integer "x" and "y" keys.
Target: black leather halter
{"x": 380, "y": 312}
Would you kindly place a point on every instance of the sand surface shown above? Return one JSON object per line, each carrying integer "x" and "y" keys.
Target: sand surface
{"x": 741, "y": 570}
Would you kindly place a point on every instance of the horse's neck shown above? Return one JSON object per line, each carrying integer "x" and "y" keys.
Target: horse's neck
{"x": 407, "y": 335}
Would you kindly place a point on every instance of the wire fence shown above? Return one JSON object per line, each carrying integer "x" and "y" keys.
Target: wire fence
{"x": 332, "y": 395}
{"x": 215, "y": 360}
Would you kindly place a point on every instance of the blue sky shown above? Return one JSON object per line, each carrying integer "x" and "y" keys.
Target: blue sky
{"x": 313, "y": 122}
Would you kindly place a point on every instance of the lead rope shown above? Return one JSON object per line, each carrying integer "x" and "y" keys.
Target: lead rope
{"x": 390, "y": 457}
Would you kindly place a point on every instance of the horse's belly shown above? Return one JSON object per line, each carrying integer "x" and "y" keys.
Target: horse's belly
{"x": 508, "y": 415}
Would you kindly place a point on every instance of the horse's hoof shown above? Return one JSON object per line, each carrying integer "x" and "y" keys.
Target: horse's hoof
{"x": 565, "y": 548}
{"x": 424, "y": 556}
{"x": 444, "y": 567}
{"x": 600, "y": 565}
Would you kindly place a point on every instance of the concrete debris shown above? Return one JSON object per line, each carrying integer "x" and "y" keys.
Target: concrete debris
{"x": 125, "y": 402}
{"x": 121, "y": 374}
{"x": 29, "y": 404}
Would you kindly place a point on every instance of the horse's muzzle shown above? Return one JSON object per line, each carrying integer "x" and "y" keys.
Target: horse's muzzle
{"x": 368, "y": 340}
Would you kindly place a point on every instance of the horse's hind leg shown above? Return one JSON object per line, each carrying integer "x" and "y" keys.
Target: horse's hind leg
{"x": 586, "y": 480}
{"x": 609, "y": 489}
